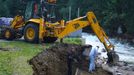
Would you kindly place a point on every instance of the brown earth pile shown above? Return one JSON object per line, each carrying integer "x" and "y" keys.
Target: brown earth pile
{"x": 53, "y": 61}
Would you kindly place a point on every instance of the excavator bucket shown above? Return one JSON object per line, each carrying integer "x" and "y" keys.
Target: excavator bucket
{"x": 113, "y": 58}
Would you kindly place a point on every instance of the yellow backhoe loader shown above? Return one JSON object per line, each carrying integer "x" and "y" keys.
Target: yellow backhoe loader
{"x": 41, "y": 28}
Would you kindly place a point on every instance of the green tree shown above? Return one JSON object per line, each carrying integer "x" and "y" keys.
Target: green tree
{"x": 4, "y": 12}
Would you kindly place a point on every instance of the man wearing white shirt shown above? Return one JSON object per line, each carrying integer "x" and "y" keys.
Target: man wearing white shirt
{"x": 92, "y": 56}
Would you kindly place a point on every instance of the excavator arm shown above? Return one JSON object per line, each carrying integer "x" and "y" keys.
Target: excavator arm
{"x": 90, "y": 20}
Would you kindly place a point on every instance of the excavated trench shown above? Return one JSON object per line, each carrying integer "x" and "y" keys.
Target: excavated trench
{"x": 53, "y": 61}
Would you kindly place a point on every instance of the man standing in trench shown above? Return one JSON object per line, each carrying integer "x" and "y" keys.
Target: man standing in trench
{"x": 92, "y": 56}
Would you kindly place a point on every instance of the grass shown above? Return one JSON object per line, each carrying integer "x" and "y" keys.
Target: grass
{"x": 73, "y": 40}
{"x": 15, "y": 61}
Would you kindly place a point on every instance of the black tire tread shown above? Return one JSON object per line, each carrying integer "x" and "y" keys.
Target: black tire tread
{"x": 13, "y": 34}
{"x": 36, "y": 28}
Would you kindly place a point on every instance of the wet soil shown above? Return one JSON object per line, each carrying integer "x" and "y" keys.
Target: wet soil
{"x": 53, "y": 61}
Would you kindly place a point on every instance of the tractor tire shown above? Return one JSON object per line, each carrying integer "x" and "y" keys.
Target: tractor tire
{"x": 9, "y": 34}
{"x": 31, "y": 33}
{"x": 49, "y": 39}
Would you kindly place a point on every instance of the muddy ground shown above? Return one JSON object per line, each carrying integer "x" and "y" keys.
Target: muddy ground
{"x": 53, "y": 61}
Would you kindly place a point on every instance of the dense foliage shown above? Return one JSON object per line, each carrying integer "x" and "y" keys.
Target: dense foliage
{"x": 110, "y": 13}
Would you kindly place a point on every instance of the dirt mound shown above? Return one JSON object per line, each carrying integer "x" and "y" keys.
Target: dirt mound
{"x": 53, "y": 61}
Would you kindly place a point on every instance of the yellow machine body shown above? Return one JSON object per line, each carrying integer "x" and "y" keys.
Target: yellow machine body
{"x": 17, "y": 22}
{"x": 62, "y": 28}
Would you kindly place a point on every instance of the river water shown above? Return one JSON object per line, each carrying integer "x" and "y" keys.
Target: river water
{"x": 124, "y": 50}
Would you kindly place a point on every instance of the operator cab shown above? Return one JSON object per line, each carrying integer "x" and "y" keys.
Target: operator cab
{"x": 46, "y": 9}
